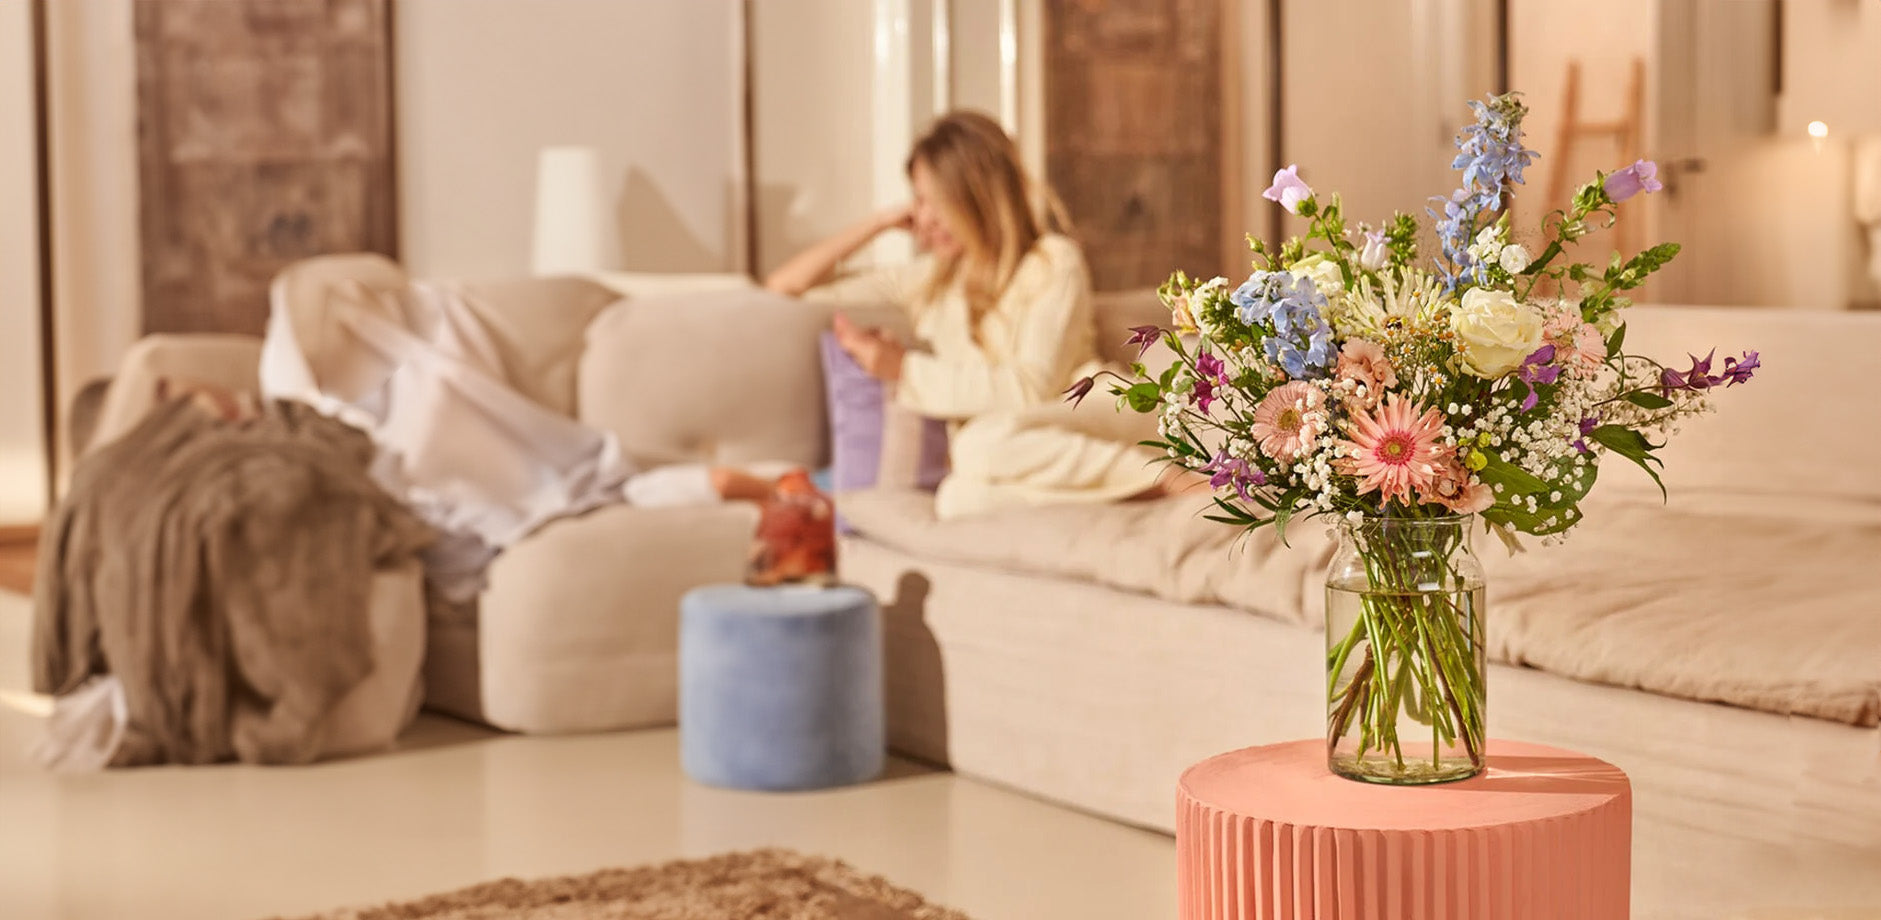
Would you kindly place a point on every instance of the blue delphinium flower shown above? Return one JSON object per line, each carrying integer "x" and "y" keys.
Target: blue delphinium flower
{"x": 1491, "y": 156}
{"x": 1292, "y": 307}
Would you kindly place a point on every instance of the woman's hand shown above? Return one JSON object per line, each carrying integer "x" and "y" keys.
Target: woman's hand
{"x": 876, "y": 352}
{"x": 900, "y": 217}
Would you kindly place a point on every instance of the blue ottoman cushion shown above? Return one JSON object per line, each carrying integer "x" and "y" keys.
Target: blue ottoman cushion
{"x": 780, "y": 688}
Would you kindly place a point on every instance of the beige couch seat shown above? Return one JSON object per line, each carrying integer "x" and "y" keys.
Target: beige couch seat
{"x": 1753, "y": 611}
{"x": 1165, "y": 549}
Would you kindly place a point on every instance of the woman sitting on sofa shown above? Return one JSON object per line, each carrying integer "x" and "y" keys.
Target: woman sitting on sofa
{"x": 1002, "y": 300}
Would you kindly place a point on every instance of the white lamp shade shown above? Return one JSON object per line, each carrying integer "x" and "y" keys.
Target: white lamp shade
{"x": 571, "y": 212}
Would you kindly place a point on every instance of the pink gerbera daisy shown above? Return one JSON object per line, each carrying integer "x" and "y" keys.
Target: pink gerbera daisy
{"x": 1393, "y": 450}
{"x": 1289, "y": 419}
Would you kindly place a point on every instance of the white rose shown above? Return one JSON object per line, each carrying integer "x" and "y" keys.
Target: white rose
{"x": 1324, "y": 272}
{"x": 1494, "y": 332}
{"x": 1514, "y": 258}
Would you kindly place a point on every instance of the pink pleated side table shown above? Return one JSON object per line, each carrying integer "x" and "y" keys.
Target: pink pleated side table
{"x": 1268, "y": 833}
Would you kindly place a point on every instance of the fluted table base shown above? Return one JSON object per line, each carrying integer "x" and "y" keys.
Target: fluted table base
{"x": 1268, "y": 833}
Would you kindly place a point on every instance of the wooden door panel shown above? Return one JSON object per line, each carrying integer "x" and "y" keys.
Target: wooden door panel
{"x": 264, "y": 137}
{"x": 1134, "y": 130}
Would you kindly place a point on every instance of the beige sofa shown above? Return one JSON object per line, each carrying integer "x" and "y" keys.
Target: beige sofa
{"x": 576, "y": 630}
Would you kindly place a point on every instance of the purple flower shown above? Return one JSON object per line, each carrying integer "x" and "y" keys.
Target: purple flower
{"x": 1204, "y": 394}
{"x": 1233, "y": 472}
{"x": 1144, "y": 337}
{"x": 1639, "y": 177}
{"x": 1288, "y": 189}
{"x": 1537, "y": 369}
{"x": 1700, "y": 377}
{"x": 1209, "y": 374}
{"x": 1588, "y": 425}
{"x": 1075, "y": 395}
{"x": 1740, "y": 371}
{"x": 1210, "y": 368}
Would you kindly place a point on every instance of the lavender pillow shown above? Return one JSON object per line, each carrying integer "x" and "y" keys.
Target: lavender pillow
{"x": 873, "y": 441}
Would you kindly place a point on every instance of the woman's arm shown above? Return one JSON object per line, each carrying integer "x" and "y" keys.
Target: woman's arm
{"x": 810, "y": 267}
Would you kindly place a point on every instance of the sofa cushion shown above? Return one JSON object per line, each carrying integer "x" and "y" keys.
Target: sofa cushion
{"x": 1794, "y": 430}
{"x": 1769, "y": 613}
{"x": 711, "y": 377}
{"x": 874, "y": 441}
{"x": 1163, "y": 548}
{"x": 539, "y": 327}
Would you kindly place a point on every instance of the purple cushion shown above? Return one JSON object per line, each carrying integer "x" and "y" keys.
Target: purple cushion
{"x": 857, "y": 403}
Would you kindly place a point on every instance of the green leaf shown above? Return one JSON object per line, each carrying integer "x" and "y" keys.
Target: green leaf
{"x": 1144, "y": 397}
{"x": 1535, "y": 522}
{"x": 1617, "y": 339}
{"x": 1646, "y": 399}
{"x": 1282, "y": 515}
{"x": 1513, "y": 479}
{"x": 1240, "y": 514}
{"x": 1633, "y": 446}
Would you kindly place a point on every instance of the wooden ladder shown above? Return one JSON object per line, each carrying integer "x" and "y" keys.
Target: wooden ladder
{"x": 1624, "y": 132}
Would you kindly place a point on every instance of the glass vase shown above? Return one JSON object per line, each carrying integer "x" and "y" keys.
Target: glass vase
{"x": 1404, "y": 651}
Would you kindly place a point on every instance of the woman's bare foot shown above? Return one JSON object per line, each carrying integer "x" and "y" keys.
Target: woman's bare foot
{"x": 734, "y": 485}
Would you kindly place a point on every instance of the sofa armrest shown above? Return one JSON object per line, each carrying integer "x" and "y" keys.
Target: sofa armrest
{"x": 579, "y": 628}
{"x": 225, "y": 362}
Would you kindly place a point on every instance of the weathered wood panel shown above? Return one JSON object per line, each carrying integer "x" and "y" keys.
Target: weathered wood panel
{"x": 265, "y": 136}
{"x": 1134, "y": 130}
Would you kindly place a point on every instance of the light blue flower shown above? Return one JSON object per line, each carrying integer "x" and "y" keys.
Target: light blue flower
{"x": 1491, "y": 156}
{"x": 1292, "y": 307}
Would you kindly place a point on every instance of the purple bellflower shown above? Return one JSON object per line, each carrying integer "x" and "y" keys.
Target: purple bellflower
{"x": 1229, "y": 472}
{"x": 1639, "y": 177}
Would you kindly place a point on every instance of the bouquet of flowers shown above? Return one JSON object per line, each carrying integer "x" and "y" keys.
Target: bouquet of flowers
{"x": 1347, "y": 376}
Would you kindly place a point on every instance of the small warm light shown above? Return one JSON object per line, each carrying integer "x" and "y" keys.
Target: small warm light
{"x": 1818, "y": 130}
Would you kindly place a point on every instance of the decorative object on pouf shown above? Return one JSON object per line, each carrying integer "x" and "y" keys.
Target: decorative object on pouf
{"x": 796, "y": 538}
{"x": 1266, "y": 833}
{"x": 780, "y": 688}
{"x": 1345, "y": 378}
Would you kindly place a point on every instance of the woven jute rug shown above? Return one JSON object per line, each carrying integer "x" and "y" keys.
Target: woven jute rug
{"x": 760, "y": 885}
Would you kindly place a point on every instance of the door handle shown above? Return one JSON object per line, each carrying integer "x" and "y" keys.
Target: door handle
{"x": 1673, "y": 169}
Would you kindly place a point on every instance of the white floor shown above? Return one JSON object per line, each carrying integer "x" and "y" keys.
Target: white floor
{"x": 460, "y": 806}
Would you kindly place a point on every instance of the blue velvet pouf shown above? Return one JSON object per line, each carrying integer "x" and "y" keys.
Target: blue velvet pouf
{"x": 780, "y": 688}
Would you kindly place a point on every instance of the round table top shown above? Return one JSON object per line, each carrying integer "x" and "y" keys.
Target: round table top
{"x": 1290, "y": 784}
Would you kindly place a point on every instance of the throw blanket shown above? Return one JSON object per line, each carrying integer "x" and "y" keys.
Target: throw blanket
{"x": 221, "y": 572}
{"x": 418, "y": 371}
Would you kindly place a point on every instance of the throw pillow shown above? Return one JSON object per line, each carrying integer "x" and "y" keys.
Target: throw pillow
{"x": 873, "y": 441}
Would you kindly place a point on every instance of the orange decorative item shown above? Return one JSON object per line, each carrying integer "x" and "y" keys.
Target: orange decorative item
{"x": 796, "y": 539}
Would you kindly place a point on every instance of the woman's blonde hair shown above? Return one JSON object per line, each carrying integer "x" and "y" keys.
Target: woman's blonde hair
{"x": 995, "y": 209}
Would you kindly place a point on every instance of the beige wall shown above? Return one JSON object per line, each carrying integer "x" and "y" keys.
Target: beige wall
{"x": 22, "y": 446}
{"x": 1708, "y": 99}
{"x": 1833, "y": 65}
{"x": 813, "y": 121}
{"x": 1606, "y": 36}
{"x": 1375, "y": 92}
{"x": 97, "y": 280}
{"x": 652, "y": 84}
